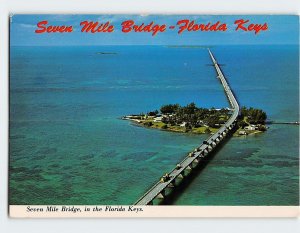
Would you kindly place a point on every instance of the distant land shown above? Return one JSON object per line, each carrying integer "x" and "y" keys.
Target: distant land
{"x": 106, "y": 53}
{"x": 188, "y": 46}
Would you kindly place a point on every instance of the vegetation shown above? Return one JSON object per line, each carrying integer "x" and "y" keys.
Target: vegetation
{"x": 169, "y": 108}
{"x": 254, "y": 116}
{"x": 190, "y": 118}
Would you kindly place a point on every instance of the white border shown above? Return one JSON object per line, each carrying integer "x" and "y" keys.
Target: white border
{"x": 173, "y": 211}
{"x": 138, "y": 7}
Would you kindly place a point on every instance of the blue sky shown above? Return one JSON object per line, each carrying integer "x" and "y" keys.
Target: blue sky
{"x": 282, "y": 30}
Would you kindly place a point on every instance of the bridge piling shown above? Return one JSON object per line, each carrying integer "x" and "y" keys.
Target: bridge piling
{"x": 162, "y": 194}
{"x": 159, "y": 189}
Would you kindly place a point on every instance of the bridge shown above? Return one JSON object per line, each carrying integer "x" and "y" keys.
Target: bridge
{"x": 194, "y": 158}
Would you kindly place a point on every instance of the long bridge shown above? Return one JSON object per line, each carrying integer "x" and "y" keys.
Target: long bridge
{"x": 194, "y": 158}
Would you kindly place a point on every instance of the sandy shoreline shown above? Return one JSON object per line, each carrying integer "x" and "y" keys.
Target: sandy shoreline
{"x": 138, "y": 123}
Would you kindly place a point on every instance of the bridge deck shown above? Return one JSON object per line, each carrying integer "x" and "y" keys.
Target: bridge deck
{"x": 203, "y": 150}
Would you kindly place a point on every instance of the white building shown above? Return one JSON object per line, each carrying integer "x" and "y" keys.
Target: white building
{"x": 250, "y": 127}
{"x": 182, "y": 124}
{"x": 157, "y": 119}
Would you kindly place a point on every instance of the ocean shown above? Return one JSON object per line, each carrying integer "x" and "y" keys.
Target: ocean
{"x": 68, "y": 144}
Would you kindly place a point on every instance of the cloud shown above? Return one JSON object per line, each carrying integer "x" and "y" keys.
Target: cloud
{"x": 24, "y": 25}
{"x": 62, "y": 17}
{"x": 110, "y": 18}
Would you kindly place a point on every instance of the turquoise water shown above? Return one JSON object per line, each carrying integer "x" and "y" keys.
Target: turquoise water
{"x": 69, "y": 146}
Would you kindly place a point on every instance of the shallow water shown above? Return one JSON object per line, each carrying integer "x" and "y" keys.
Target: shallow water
{"x": 69, "y": 146}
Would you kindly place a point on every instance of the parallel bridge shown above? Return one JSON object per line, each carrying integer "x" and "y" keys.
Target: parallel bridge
{"x": 204, "y": 150}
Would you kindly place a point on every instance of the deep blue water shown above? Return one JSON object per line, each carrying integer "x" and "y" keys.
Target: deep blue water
{"x": 69, "y": 146}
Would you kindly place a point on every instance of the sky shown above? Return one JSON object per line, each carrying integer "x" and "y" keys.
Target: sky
{"x": 282, "y": 29}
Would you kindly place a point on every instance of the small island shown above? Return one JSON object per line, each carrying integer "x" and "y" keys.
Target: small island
{"x": 106, "y": 53}
{"x": 191, "y": 119}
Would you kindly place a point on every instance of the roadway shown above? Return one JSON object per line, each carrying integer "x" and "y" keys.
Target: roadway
{"x": 200, "y": 152}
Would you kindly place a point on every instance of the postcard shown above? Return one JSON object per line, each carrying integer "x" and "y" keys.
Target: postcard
{"x": 153, "y": 115}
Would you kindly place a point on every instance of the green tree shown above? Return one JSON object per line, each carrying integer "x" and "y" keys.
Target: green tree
{"x": 169, "y": 108}
{"x": 164, "y": 126}
{"x": 207, "y": 130}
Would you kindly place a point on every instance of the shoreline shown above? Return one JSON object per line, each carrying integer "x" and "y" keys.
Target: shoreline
{"x": 139, "y": 123}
